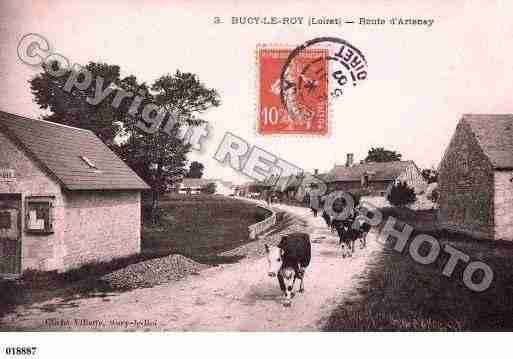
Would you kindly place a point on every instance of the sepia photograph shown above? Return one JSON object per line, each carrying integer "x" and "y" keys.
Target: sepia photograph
{"x": 255, "y": 167}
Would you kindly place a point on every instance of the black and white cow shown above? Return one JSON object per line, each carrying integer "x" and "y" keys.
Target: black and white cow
{"x": 288, "y": 262}
{"x": 363, "y": 228}
{"x": 346, "y": 235}
{"x": 349, "y": 230}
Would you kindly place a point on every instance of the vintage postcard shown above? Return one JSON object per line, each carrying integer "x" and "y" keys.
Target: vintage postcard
{"x": 228, "y": 166}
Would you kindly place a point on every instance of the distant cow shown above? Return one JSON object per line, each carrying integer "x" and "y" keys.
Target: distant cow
{"x": 327, "y": 218}
{"x": 349, "y": 230}
{"x": 363, "y": 228}
{"x": 288, "y": 262}
{"x": 345, "y": 234}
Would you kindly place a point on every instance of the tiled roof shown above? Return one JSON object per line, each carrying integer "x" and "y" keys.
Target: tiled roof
{"x": 68, "y": 153}
{"x": 378, "y": 171}
{"x": 295, "y": 181}
{"x": 494, "y": 134}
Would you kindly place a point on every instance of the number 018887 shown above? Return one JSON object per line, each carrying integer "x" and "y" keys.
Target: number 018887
{"x": 20, "y": 350}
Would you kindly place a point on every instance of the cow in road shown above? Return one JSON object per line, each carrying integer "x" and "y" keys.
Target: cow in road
{"x": 327, "y": 218}
{"x": 288, "y": 262}
{"x": 349, "y": 230}
{"x": 346, "y": 235}
{"x": 363, "y": 228}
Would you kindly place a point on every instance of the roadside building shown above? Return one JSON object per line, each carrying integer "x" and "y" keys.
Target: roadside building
{"x": 197, "y": 185}
{"x": 476, "y": 178}
{"x": 290, "y": 186}
{"x": 192, "y": 185}
{"x": 65, "y": 198}
{"x": 226, "y": 188}
{"x": 374, "y": 178}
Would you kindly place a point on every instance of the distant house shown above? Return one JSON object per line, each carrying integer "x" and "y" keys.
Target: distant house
{"x": 225, "y": 188}
{"x": 253, "y": 189}
{"x": 192, "y": 185}
{"x": 298, "y": 186}
{"x": 476, "y": 178}
{"x": 65, "y": 198}
{"x": 374, "y": 177}
{"x": 290, "y": 186}
{"x": 196, "y": 186}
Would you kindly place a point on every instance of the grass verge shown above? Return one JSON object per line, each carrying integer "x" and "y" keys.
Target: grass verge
{"x": 398, "y": 294}
{"x": 200, "y": 227}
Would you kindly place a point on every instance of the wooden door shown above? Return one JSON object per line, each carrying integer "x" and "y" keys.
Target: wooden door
{"x": 10, "y": 234}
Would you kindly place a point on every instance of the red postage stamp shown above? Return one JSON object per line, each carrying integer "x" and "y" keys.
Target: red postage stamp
{"x": 293, "y": 94}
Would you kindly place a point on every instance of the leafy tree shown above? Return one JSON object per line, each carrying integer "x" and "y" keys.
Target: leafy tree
{"x": 209, "y": 188}
{"x": 71, "y": 107}
{"x": 185, "y": 96}
{"x": 160, "y": 158}
{"x": 430, "y": 175}
{"x": 379, "y": 154}
{"x": 195, "y": 170}
{"x": 401, "y": 195}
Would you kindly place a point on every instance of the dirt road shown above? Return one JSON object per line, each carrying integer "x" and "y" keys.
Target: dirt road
{"x": 235, "y": 297}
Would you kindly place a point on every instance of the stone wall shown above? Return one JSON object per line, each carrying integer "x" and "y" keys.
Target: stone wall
{"x": 101, "y": 226}
{"x": 466, "y": 183}
{"x": 89, "y": 226}
{"x": 38, "y": 251}
{"x": 503, "y": 205}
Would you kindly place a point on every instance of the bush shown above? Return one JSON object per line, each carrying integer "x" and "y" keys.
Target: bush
{"x": 401, "y": 195}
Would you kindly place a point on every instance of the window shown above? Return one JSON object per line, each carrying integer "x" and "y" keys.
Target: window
{"x": 39, "y": 214}
{"x": 89, "y": 162}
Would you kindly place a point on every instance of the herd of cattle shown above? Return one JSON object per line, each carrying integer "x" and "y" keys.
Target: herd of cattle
{"x": 349, "y": 230}
{"x": 290, "y": 258}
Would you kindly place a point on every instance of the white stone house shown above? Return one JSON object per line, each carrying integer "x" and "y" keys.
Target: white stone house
{"x": 225, "y": 188}
{"x": 192, "y": 185}
{"x": 196, "y": 186}
{"x": 65, "y": 198}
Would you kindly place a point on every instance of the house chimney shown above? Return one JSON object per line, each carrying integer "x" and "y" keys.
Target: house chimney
{"x": 349, "y": 161}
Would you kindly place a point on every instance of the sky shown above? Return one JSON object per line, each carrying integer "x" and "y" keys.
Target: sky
{"x": 420, "y": 80}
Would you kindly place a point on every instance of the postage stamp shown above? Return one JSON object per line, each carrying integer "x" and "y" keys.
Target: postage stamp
{"x": 306, "y": 111}
{"x": 297, "y": 85}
